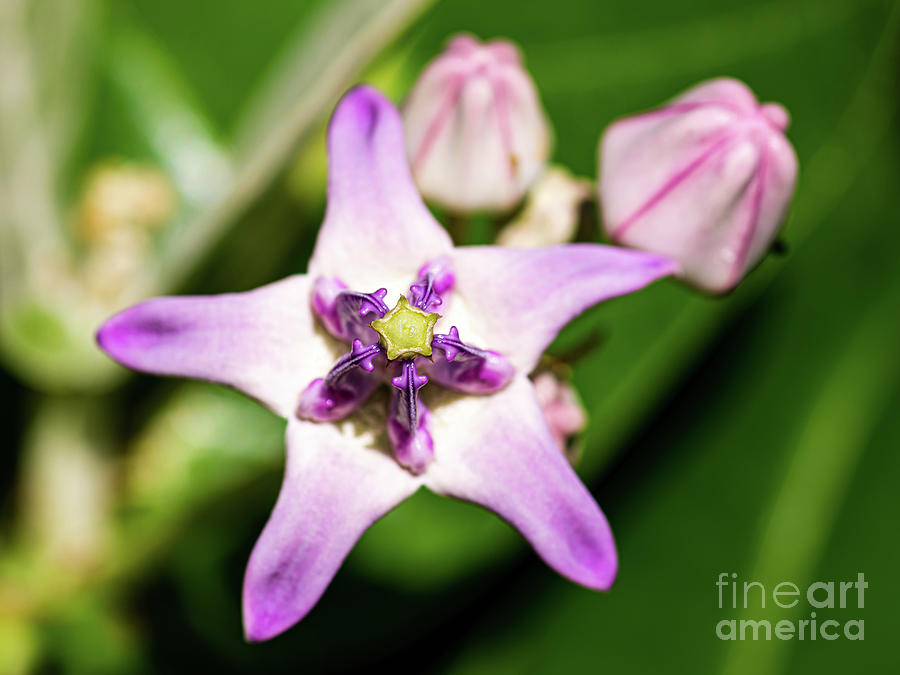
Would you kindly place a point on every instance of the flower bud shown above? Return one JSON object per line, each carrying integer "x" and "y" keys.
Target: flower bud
{"x": 124, "y": 195}
{"x": 552, "y": 212}
{"x": 475, "y": 132}
{"x": 563, "y": 411}
{"x": 706, "y": 180}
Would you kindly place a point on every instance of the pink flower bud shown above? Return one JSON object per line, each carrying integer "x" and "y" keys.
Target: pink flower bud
{"x": 476, "y": 135}
{"x": 562, "y": 410}
{"x": 706, "y": 180}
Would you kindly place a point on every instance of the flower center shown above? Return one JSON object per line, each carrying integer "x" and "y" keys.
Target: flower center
{"x": 405, "y": 335}
{"x": 406, "y": 331}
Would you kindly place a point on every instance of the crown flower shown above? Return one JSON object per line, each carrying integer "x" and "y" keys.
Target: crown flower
{"x": 459, "y": 417}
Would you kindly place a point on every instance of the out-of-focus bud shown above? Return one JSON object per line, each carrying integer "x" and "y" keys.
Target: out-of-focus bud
{"x": 706, "y": 179}
{"x": 476, "y": 134}
{"x": 123, "y": 204}
{"x": 119, "y": 195}
{"x": 551, "y": 214}
{"x": 562, "y": 410}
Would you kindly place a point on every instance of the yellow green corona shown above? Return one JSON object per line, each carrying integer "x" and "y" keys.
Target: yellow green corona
{"x": 406, "y": 331}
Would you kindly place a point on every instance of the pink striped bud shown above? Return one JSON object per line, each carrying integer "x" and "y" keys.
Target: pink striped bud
{"x": 476, "y": 134}
{"x": 706, "y": 180}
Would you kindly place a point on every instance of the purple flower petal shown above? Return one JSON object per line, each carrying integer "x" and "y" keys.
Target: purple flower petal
{"x": 334, "y": 488}
{"x": 262, "y": 342}
{"x": 497, "y": 451}
{"x": 376, "y": 230}
{"x": 517, "y": 300}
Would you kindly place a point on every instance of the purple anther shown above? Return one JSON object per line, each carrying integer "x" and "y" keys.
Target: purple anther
{"x": 345, "y": 313}
{"x": 347, "y": 385}
{"x": 468, "y": 369}
{"x": 435, "y": 278}
{"x": 408, "y": 421}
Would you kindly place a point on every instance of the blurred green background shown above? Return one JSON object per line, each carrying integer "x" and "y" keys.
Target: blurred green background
{"x": 754, "y": 434}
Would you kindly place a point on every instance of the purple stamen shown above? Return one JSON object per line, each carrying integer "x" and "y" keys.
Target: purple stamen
{"x": 359, "y": 356}
{"x": 452, "y": 345}
{"x": 434, "y": 278}
{"x": 408, "y": 422}
{"x": 466, "y": 368}
{"x": 346, "y": 386}
{"x": 365, "y": 303}
{"x": 346, "y": 313}
{"x": 409, "y": 382}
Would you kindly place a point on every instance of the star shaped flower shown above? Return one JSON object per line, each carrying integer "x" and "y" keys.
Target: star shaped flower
{"x": 476, "y": 432}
